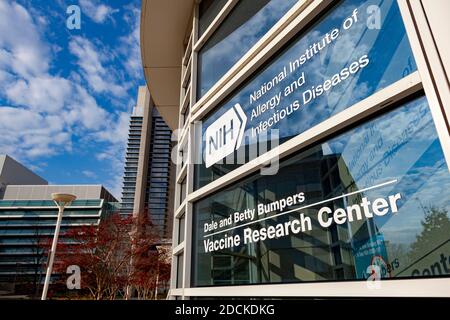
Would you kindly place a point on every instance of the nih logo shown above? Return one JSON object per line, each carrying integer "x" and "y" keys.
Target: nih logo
{"x": 225, "y": 135}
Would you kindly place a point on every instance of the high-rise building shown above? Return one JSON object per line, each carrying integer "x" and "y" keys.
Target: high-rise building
{"x": 147, "y": 187}
{"x": 132, "y": 159}
{"x": 314, "y": 146}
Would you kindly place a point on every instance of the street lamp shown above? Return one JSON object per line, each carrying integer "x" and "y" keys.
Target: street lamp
{"x": 62, "y": 200}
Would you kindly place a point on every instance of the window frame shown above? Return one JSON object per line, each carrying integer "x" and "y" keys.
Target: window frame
{"x": 299, "y": 17}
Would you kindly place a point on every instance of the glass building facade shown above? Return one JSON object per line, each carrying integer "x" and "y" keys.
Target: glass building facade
{"x": 158, "y": 179}
{"x": 399, "y": 149}
{"x": 245, "y": 25}
{"x": 25, "y": 229}
{"x": 313, "y": 150}
{"x": 377, "y": 58}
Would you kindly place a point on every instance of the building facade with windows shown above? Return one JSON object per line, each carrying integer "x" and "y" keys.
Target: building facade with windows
{"x": 313, "y": 145}
{"x": 132, "y": 159}
{"x": 147, "y": 186}
{"x": 27, "y": 225}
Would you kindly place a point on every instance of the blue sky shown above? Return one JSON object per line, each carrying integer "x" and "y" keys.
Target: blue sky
{"x": 66, "y": 95}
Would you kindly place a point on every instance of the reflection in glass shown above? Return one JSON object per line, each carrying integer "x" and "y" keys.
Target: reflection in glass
{"x": 248, "y": 22}
{"x": 208, "y": 10}
{"x": 360, "y": 61}
{"x": 180, "y": 269}
{"x": 181, "y": 229}
{"x": 400, "y": 147}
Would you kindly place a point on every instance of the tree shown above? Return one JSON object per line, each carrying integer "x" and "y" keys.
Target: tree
{"x": 150, "y": 270}
{"x": 435, "y": 227}
{"x": 41, "y": 250}
{"x": 149, "y": 263}
{"x": 30, "y": 283}
{"x": 107, "y": 254}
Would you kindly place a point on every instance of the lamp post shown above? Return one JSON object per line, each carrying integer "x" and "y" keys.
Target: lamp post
{"x": 62, "y": 200}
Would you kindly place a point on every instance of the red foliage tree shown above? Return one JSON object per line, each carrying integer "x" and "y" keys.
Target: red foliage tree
{"x": 151, "y": 269}
{"x": 113, "y": 256}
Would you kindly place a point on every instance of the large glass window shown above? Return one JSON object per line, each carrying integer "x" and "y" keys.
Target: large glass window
{"x": 183, "y": 190}
{"x": 248, "y": 22}
{"x": 180, "y": 271}
{"x": 376, "y": 195}
{"x": 208, "y": 10}
{"x": 352, "y": 52}
{"x": 181, "y": 229}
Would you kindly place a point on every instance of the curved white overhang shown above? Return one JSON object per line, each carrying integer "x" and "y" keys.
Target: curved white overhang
{"x": 164, "y": 24}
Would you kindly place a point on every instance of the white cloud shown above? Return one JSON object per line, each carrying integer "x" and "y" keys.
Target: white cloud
{"x": 42, "y": 112}
{"x": 114, "y": 183}
{"x": 25, "y": 54}
{"x": 89, "y": 174}
{"x": 83, "y": 110}
{"x": 131, "y": 50}
{"x": 5, "y": 77}
{"x": 99, "y": 13}
{"x": 42, "y": 93}
{"x": 39, "y": 167}
{"x": 90, "y": 60}
{"x": 110, "y": 156}
{"x": 27, "y": 134}
{"x": 119, "y": 131}
{"x": 114, "y": 154}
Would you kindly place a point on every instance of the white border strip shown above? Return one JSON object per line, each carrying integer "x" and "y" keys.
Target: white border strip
{"x": 389, "y": 288}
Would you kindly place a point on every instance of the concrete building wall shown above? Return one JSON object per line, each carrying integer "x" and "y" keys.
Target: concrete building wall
{"x": 43, "y": 192}
{"x": 12, "y": 172}
{"x": 144, "y": 149}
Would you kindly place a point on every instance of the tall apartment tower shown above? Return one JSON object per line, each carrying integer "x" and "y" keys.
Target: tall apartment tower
{"x": 147, "y": 187}
{"x": 132, "y": 159}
